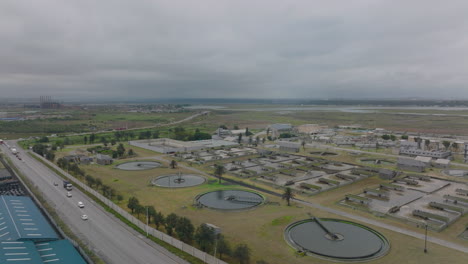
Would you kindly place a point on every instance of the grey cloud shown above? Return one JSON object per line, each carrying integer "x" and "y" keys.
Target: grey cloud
{"x": 285, "y": 49}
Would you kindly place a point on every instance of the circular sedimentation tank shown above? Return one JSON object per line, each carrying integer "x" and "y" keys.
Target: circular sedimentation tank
{"x": 378, "y": 161}
{"x": 337, "y": 240}
{"x": 178, "y": 180}
{"x": 138, "y": 165}
{"x": 230, "y": 199}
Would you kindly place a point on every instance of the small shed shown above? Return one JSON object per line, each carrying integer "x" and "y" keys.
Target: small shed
{"x": 441, "y": 163}
{"x": 387, "y": 174}
{"x": 103, "y": 159}
{"x": 426, "y": 160}
{"x": 70, "y": 158}
{"x": 85, "y": 159}
{"x": 289, "y": 146}
{"x": 216, "y": 229}
{"x": 411, "y": 165}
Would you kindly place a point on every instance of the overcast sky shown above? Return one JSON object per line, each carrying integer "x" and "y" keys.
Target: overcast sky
{"x": 234, "y": 49}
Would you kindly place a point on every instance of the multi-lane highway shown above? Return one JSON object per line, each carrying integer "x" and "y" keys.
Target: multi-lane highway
{"x": 109, "y": 238}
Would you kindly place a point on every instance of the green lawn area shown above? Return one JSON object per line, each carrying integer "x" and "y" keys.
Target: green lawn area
{"x": 388, "y": 120}
{"x": 262, "y": 228}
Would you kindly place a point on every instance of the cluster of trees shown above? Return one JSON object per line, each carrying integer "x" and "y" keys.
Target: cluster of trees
{"x": 148, "y": 134}
{"x": 92, "y": 182}
{"x": 44, "y": 151}
{"x": 120, "y": 151}
{"x": 447, "y": 144}
{"x": 286, "y": 135}
{"x": 59, "y": 143}
{"x": 43, "y": 140}
{"x": 154, "y": 217}
{"x": 112, "y": 138}
{"x": 247, "y": 133}
{"x": 71, "y": 167}
{"x": 122, "y": 135}
{"x": 178, "y": 133}
{"x": 106, "y": 190}
{"x": 391, "y": 137}
{"x": 106, "y": 139}
{"x": 99, "y": 149}
{"x": 235, "y": 127}
{"x": 181, "y": 134}
{"x": 203, "y": 236}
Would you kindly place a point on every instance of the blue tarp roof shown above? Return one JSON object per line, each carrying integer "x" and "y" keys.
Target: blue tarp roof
{"x": 27, "y": 237}
{"x": 19, "y": 252}
{"x": 20, "y": 219}
{"x": 56, "y": 252}
{"x": 59, "y": 252}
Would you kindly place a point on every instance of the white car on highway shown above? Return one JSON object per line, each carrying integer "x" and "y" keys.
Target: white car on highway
{"x": 69, "y": 195}
{"x": 80, "y": 204}
{"x": 84, "y": 217}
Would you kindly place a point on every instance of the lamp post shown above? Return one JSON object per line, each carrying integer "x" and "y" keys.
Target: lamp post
{"x": 147, "y": 219}
{"x": 216, "y": 244}
{"x": 216, "y": 231}
{"x": 425, "y": 241}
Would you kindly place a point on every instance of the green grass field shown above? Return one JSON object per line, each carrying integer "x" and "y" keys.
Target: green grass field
{"x": 262, "y": 228}
{"x": 452, "y": 124}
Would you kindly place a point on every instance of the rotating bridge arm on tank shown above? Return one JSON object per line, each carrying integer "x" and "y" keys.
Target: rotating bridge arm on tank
{"x": 332, "y": 235}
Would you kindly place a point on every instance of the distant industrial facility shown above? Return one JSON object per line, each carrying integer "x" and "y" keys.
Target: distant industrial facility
{"x": 46, "y": 102}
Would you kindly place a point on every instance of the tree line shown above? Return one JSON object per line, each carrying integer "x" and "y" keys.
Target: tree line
{"x": 203, "y": 236}
{"x": 178, "y": 133}
{"x": 44, "y": 151}
{"x": 95, "y": 183}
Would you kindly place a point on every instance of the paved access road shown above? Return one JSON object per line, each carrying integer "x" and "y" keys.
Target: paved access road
{"x": 112, "y": 240}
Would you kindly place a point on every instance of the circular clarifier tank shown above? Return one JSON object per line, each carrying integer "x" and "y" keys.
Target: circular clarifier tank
{"x": 230, "y": 199}
{"x": 138, "y": 165}
{"x": 337, "y": 240}
{"x": 178, "y": 180}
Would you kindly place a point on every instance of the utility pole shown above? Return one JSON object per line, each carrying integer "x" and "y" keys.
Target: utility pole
{"x": 147, "y": 219}
{"x": 216, "y": 244}
{"x": 425, "y": 241}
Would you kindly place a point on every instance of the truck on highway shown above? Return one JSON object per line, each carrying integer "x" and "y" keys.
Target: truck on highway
{"x": 67, "y": 185}
{"x": 14, "y": 151}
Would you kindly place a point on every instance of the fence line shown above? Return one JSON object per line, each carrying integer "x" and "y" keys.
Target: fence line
{"x": 207, "y": 258}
